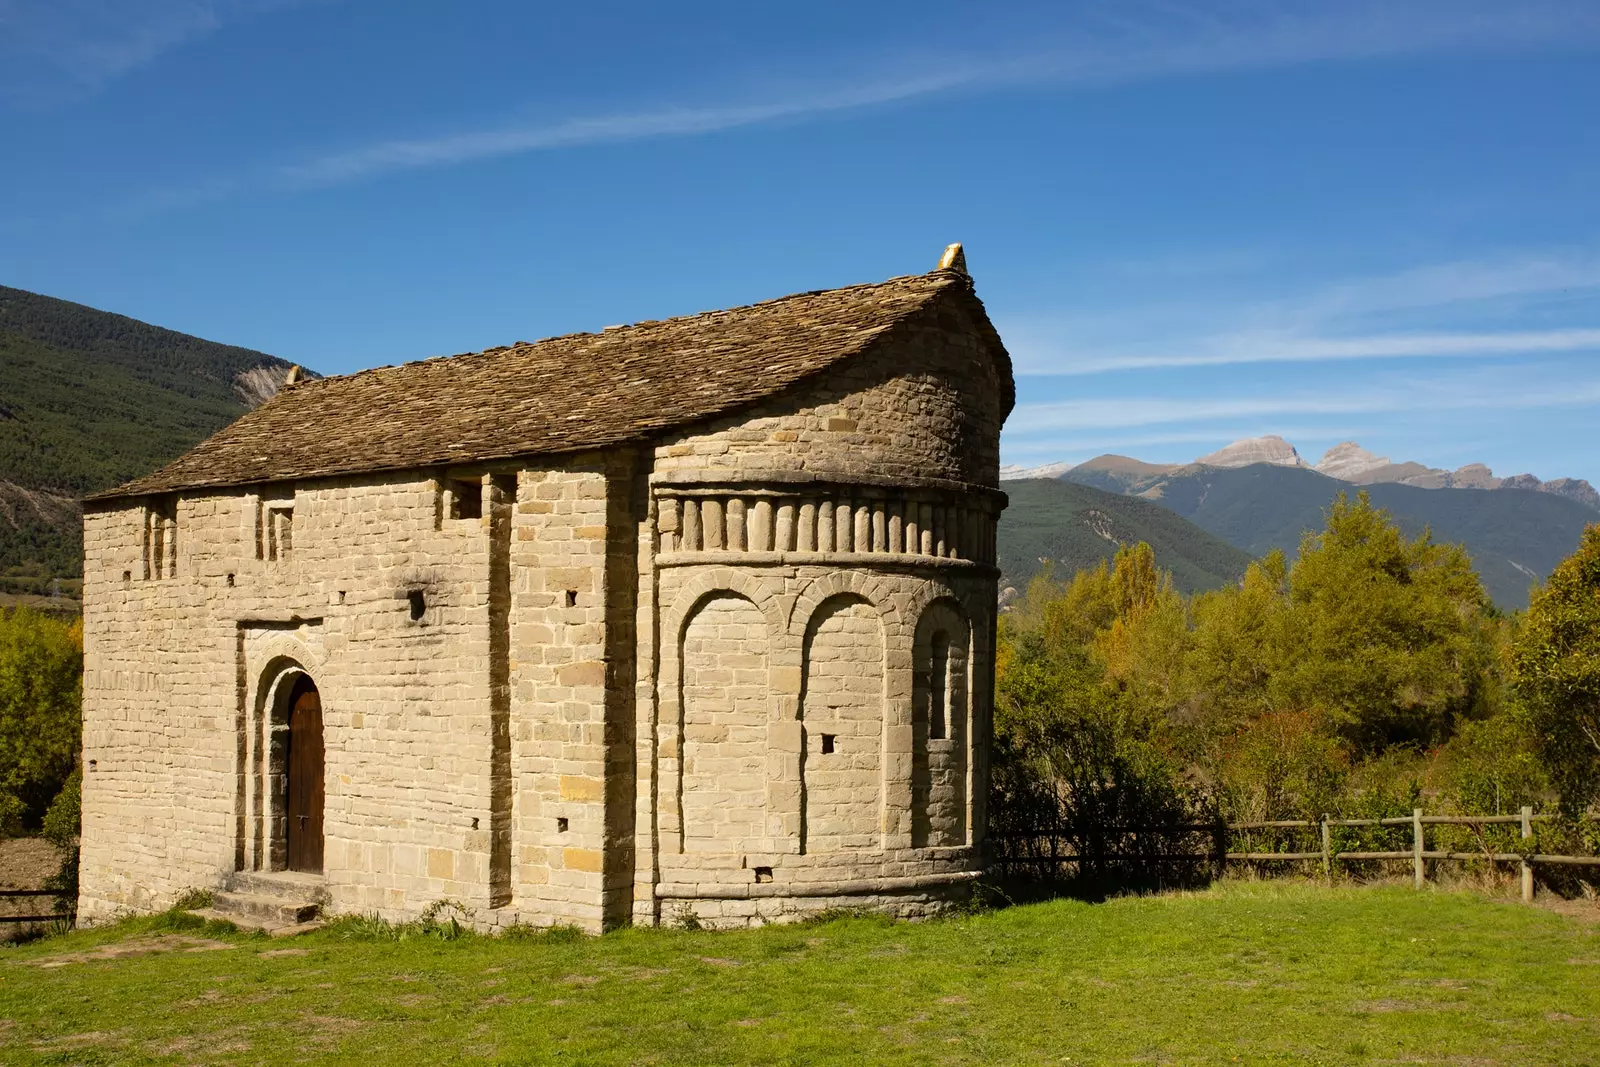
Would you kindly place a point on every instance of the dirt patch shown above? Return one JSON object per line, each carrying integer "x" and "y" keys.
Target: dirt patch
{"x": 73, "y": 1041}
{"x": 276, "y": 952}
{"x": 25, "y": 862}
{"x": 1585, "y": 911}
{"x": 1380, "y": 1007}
{"x": 643, "y": 974}
{"x": 136, "y": 946}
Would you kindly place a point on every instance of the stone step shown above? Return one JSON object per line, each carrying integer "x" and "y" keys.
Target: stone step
{"x": 270, "y": 927}
{"x": 288, "y": 885}
{"x": 260, "y": 906}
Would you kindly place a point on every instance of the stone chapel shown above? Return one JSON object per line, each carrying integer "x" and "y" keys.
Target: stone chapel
{"x": 689, "y": 617}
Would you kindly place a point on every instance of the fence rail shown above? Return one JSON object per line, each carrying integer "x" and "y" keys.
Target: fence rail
{"x": 7, "y": 894}
{"x": 1220, "y": 855}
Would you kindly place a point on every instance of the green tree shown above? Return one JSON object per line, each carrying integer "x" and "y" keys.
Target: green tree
{"x": 41, "y": 668}
{"x": 1555, "y": 670}
{"x": 1083, "y": 673}
{"x": 1392, "y": 637}
{"x": 1240, "y": 643}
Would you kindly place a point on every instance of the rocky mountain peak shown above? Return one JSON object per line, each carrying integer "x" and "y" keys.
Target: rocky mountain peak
{"x": 1348, "y": 461}
{"x": 1269, "y": 449}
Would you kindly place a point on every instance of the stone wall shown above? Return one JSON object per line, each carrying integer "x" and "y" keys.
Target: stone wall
{"x": 924, "y": 403}
{"x": 388, "y": 603}
{"x": 842, "y": 719}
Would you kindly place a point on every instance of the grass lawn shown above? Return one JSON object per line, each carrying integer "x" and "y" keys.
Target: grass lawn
{"x": 1276, "y": 972}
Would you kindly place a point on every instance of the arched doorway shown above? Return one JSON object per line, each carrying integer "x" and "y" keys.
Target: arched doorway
{"x": 303, "y": 772}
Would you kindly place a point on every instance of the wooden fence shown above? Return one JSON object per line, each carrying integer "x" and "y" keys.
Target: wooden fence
{"x": 1222, "y": 834}
{"x": 23, "y": 894}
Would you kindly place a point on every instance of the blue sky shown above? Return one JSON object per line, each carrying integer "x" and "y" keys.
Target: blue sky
{"x": 1190, "y": 222}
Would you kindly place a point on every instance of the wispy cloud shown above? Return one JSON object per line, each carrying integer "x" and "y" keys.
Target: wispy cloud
{"x": 341, "y": 167}
{"x": 1100, "y": 43}
{"x": 1349, "y": 319}
{"x": 48, "y": 47}
{"x": 1287, "y": 348}
{"x": 1123, "y": 412}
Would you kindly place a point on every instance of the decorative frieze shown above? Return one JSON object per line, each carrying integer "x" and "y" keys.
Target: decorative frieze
{"x": 826, "y": 521}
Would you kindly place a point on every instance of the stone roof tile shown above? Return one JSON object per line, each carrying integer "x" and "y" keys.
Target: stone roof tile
{"x": 562, "y": 394}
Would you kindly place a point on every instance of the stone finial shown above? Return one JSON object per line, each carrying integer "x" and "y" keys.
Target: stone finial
{"x": 953, "y": 259}
{"x": 293, "y": 377}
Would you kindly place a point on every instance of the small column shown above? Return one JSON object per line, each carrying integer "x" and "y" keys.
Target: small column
{"x": 691, "y": 526}
{"x": 736, "y": 525}
{"x": 826, "y": 534}
{"x": 711, "y": 524}
{"x": 760, "y": 525}
{"x": 783, "y": 527}
{"x": 806, "y": 530}
{"x": 667, "y": 523}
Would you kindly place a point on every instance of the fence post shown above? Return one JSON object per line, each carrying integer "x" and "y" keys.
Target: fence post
{"x": 1527, "y": 868}
{"x": 1219, "y": 859}
{"x": 1416, "y": 846}
{"x": 1327, "y": 849}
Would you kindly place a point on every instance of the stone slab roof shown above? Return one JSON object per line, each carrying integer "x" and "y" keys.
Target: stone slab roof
{"x": 562, "y": 394}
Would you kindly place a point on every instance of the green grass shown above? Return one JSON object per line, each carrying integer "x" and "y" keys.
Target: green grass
{"x": 1247, "y": 973}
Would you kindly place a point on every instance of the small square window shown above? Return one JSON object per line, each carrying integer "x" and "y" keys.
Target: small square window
{"x": 827, "y": 744}
{"x": 466, "y": 500}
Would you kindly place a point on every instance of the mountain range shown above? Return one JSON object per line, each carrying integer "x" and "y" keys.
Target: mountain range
{"x": 1346, "y": 461}
{"x": 1260, "y": 494}
{"x": 88, "y": 400}
{"x": 1073, "y": 527}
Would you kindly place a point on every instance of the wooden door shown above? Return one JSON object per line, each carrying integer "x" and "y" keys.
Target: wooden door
{"x": 305, "y": 780}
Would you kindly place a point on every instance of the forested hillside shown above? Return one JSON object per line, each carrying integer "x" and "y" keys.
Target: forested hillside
{"x": 90, "y": 399}
{"x": 1514, "y": 536}
{"x": 1074, "y": 527}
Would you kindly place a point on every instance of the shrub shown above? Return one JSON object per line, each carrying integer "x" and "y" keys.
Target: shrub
{"x": 1555, "y": 670}
{"x": 41, "y": 668}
